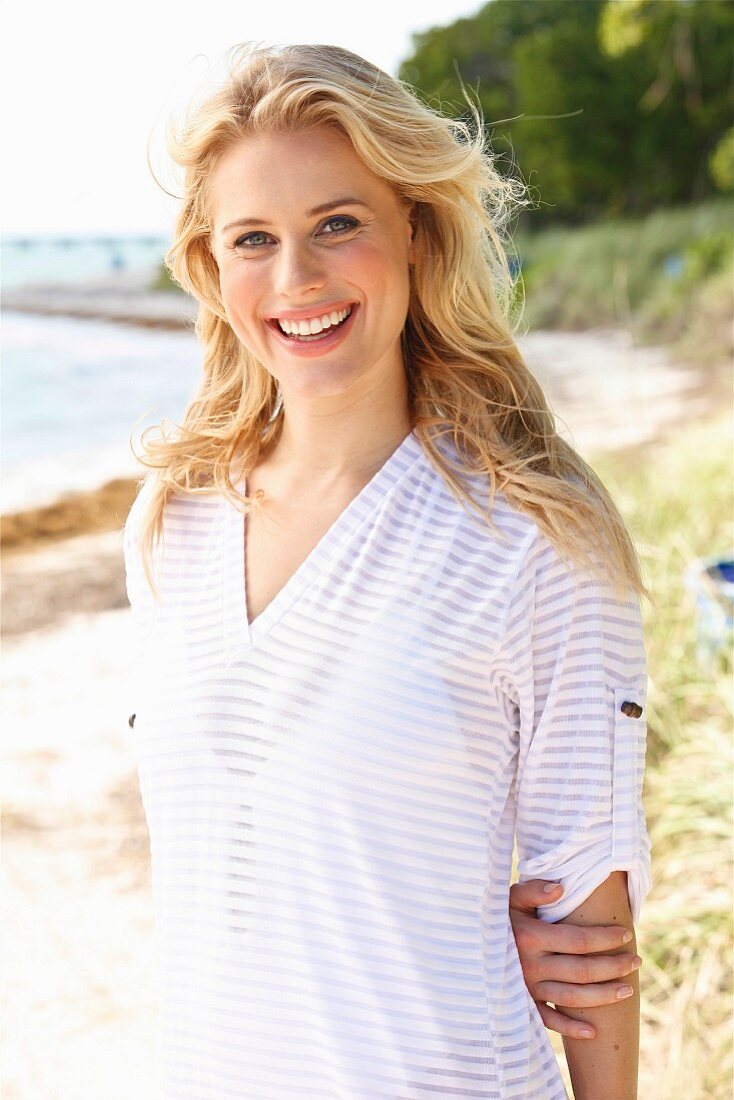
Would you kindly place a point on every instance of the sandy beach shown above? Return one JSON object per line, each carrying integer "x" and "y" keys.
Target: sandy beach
{"x": 80, "y": 966}
{"x": 79, "y": 960}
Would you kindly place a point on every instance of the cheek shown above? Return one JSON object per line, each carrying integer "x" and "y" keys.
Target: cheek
{"x": 378, "y": 270}
{"x": 369, "y": 260}
{"x": 236, "y": 282}
{"x": 240, "y": 291}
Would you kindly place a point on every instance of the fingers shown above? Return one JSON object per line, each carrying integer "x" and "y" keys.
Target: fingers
{"x": 564, "y": 1025}
{"x": 566, "y": 939}
{"x": 527, "y": 896}
{"x": 581, "y": 970}
{"x": 582, "y": 996}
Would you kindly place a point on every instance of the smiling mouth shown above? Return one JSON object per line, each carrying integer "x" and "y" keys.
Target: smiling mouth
{"x": 316, "y": 336}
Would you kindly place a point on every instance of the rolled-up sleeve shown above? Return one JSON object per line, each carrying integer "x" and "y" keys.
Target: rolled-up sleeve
{"x": 576, "y": 656}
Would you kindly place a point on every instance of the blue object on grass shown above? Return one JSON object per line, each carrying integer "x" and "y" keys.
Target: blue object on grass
{"x": 673, "y": 265}
{"x": 711, "y": 580}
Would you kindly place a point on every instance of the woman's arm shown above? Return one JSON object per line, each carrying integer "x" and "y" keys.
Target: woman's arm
{"x": 569, "y": 966}
{"x": 607, "y": 1068}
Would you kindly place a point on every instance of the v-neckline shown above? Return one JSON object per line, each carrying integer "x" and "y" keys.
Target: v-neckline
{"x": 244, "y": 634}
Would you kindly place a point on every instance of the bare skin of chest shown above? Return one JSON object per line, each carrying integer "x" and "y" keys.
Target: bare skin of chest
{"x": 278, "y": 539}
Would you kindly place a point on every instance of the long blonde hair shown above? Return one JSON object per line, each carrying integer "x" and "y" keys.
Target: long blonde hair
{"x": 466, "y": 377}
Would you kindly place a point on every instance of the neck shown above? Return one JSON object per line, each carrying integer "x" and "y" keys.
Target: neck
{"x": 320, "y": 449}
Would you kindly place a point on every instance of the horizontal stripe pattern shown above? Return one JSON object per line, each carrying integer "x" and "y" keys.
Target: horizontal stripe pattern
{"x": 333, "y": 792}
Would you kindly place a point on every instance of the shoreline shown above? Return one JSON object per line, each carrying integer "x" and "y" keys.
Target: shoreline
{"x": 84, "y": 512}
{"x": 123, "y": 297}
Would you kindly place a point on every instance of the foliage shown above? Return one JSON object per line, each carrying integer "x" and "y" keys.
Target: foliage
{"x": 721, "y": 162}
{"x": 623, "y": 25}
{"x": 606, "y": 108}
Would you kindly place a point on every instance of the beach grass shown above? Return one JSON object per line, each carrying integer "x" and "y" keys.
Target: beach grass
{"x": 667, "y": 277}
{"x": 678, "y": 504}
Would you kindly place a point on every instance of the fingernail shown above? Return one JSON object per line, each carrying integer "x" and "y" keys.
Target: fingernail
{"x": 586, "y": 1033}
{"x": 636, "y": 962}
{"x": 624, "y": 991}
{"x": 627, "y": 936}
{"x": 550, "y": 887}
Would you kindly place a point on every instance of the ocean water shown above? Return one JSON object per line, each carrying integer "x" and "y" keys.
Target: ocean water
{"x": 72, "y": 391}
{"x": 49, "y": 259}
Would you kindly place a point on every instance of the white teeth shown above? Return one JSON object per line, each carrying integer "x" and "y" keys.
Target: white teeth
{"x": 315, "y": 324}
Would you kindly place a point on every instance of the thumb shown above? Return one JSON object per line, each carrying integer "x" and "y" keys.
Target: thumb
{"x": 526, "y": 896}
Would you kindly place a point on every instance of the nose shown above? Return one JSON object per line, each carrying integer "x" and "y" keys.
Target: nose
{"x": 298, "y": 270}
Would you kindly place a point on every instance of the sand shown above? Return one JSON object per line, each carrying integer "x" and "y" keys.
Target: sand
{"x": 80, "y": 961}
{"x": 79, "y": 942}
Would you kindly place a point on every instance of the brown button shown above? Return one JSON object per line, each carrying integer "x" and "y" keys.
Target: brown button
{"x": 131, "y": 721}
{"x": 632, "y": 710}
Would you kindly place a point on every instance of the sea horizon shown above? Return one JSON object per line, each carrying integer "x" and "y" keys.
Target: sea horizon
{"x": 27, "y": 259}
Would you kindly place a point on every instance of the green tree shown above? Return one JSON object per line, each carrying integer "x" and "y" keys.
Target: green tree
{"x": 607, "y": 108}
{"x": 687, "y": 47}
{"x": 721, "y": 162}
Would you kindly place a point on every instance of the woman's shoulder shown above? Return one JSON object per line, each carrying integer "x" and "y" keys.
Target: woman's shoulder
{"x": 177, "y": 507}
{"x": 522, "y": 532}
{"x": 536, "y": 567}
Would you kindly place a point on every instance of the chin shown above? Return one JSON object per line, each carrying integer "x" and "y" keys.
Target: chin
{"x": 314, "y": 380}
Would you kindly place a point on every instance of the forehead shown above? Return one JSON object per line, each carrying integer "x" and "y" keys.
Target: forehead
{"x": 292, "y": 171}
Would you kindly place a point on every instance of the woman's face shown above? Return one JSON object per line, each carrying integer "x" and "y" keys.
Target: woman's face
{"x": 289, "y": 246}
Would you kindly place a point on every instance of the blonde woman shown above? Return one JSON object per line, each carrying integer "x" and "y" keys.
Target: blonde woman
{"x": 389, "y": 626}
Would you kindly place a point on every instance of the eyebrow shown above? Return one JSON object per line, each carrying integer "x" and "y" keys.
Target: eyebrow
{"x": 322, "y": 209}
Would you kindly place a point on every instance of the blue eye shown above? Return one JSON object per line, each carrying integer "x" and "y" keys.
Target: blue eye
{"x": 349, "y": 223}
{"x": 246, "y": 240}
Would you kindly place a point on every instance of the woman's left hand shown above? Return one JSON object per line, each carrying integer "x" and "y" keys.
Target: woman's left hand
{"x": 559, "y": 961}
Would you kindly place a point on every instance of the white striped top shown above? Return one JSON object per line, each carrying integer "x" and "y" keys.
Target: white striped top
{"x": 332, "y": 793}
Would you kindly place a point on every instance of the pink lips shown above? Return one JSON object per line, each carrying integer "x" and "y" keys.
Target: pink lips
{"x": 307, "y": 314}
